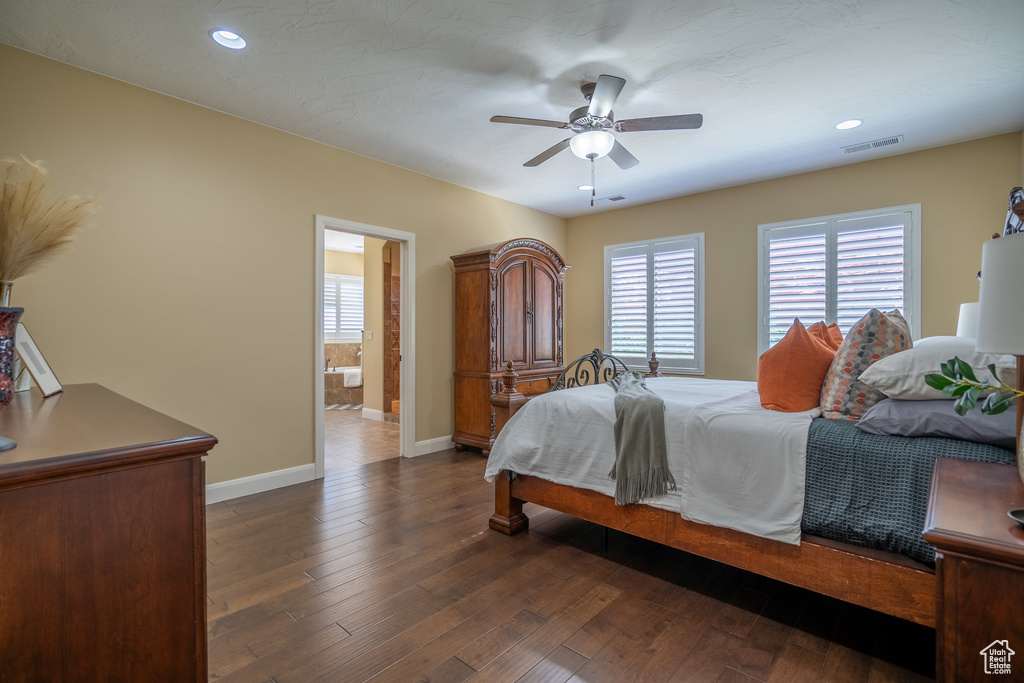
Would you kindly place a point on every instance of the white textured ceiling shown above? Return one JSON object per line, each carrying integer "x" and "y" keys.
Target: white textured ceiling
{"x": 414, "y": 82}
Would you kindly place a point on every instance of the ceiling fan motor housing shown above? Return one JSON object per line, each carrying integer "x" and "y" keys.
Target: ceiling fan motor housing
{"x": 580, "y": 120}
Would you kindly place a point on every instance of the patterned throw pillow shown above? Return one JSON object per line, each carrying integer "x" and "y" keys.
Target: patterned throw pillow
{"x": 874, "y": 336}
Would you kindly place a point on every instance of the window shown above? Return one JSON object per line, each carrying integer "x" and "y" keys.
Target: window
{"x": 343, "y": 307}
{"x": 837, "y": 268}
{"x": 654, "y": 302}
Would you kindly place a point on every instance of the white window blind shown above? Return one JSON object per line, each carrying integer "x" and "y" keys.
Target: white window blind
{"x": 837, "y": 268}
{"x": 654, "y": 302}
{"x": 343, "y": 307}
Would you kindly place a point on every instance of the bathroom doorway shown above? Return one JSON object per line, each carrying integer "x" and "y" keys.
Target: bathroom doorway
{"x": 364, "y": 360}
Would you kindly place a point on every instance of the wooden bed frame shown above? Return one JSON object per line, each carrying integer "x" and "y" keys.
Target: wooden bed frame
{"x": 881, "y": 581}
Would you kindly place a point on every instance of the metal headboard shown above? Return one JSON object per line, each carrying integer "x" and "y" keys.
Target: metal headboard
{"x": 594, "y": 368}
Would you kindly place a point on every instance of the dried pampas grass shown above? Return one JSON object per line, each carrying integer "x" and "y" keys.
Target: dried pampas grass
{"x": 32, "y": 227}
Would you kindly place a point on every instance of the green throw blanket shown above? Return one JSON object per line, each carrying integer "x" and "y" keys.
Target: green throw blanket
{"x": 641, "y": 456}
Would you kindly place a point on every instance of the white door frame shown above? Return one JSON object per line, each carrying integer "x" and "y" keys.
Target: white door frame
{"x": 407, "y": 336}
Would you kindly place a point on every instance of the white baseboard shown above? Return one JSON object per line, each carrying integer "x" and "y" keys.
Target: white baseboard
{"x": 258, "y": 483}
{"x": 371, "y": 414}
{"x": 442, "y": 443}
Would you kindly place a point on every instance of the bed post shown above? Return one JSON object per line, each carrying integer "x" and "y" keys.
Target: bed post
{"x": 653, "y": 364}
{"x": 506, "y": 402}
{"x": 508, "y": 517}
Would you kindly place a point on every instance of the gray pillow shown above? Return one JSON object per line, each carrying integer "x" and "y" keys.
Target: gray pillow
{"x": 937, "y": 418}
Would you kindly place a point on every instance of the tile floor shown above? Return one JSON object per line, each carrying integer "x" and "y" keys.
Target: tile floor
{"x": 351, "y": 441}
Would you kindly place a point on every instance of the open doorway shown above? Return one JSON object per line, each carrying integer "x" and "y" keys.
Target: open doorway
{"x": 365, "y": 359}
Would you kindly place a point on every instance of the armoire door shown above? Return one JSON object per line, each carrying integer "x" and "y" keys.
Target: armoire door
{"x": 513, "y": 293}
{"x": 541, "y": 312}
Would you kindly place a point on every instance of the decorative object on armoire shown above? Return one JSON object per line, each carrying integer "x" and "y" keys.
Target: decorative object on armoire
{"x": 32, "y": 227}
{"x": 508, "y": 307}
{"x": 8, "y": 325}
{"x": 37, "y": 366}
{"x": 1014, "y": 217}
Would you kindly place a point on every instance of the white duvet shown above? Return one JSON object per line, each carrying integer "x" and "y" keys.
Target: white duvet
{"x": 736, "y": 464}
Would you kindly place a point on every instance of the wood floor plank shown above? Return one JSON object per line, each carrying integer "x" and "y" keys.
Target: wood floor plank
{"x": 557, "y": 667}
{"x": 451, "y": 670}
{"x": 796, "y": 664}
{"x": 535, "y": 647}
{"x": 400, "y": 553}
{"x": 499, "y": 640}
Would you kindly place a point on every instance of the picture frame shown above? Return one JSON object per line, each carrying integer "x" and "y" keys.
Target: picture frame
{"x": 34, "y": 361}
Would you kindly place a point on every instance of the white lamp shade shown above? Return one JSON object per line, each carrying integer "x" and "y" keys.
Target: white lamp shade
{"x": 592, "y": 142}
{"x": 967, "y": 324}
{"x": 1001, "y": 308}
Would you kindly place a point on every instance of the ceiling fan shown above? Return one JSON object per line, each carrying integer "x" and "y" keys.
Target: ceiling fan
{"x": 592, "y": 126}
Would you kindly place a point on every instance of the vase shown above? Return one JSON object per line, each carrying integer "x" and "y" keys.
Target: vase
{"x": 8, "y": 327}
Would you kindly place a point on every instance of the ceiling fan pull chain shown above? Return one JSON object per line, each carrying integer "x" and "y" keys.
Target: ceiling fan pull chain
{"x": 593, "y": 181}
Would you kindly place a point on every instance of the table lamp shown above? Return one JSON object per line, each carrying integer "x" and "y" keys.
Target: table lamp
{"x": 1001, "y": 309}
{"x": 967, "y": 323}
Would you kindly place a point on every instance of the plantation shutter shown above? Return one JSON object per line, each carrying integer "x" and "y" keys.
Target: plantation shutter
{"x": 343, "y": 307}
{"x": 653, "y": 302}
{"x": 675, "y": 288}
{"x": 628, "y": 295}
{"x": 869, "y": 269}
{"x": 836, "y": 270}
{"x": 796, "y": 280}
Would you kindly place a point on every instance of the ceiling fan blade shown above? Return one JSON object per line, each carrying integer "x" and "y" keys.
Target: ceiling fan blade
{"x": 621, "y": 156}
{"x": 605, "y": 93}
{"x": 529, "y": 122}
{"x": 679, "y": 122}
{"x": 548, "y": 153}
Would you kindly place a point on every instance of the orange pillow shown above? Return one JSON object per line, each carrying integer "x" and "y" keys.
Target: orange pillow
{"x": 829, "y": 335}
{"x": 791, "y": 373}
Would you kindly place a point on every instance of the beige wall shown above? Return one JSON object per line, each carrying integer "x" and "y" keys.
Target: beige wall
{"x": 373, "y": 315}
{"x": 160, "y": 303}
{"x": 343, "y": 263}
{"x": 962, "y": 190}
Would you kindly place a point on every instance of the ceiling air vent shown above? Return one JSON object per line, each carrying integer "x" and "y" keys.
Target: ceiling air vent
{"x": 874, "y": 144}
{"x": 615, "y": 198}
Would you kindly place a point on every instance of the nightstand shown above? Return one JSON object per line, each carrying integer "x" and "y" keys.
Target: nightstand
{"x": 979, "y": 569}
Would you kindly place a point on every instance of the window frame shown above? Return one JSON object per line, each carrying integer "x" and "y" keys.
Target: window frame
{"x": 812, "y": 226}
{"x": 358, "y": 335}
{"x": 675, "y": 366}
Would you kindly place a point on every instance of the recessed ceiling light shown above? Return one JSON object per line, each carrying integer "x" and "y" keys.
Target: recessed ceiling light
{"x": 588, "y": 188}
{"x": 228, "y": 39}
{"x": 847, "y": 125}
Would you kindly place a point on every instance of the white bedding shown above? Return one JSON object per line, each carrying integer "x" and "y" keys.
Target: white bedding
{"x": 737, "y": 464}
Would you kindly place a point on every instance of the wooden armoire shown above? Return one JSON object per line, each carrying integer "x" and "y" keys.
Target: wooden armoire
{"x": 508, "y": 307}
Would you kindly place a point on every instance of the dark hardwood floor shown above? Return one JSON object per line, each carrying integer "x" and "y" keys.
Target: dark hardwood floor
{"x": 388, "y": 572}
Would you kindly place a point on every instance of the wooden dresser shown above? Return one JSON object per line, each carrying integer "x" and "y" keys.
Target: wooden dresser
{"x": 979, "y": 570}
{"x": 508, "y": 307}
{"x": 102, "y": 541}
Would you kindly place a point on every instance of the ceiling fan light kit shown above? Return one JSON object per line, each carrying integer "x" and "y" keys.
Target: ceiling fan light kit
{"x": 592, "y": 125}
{"x": 592, "y": 144}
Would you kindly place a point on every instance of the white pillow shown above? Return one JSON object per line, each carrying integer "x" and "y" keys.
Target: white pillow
{"x": 902, "y": 375}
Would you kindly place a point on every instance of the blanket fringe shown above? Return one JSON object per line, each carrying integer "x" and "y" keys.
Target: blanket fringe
{"x": 656, "y": 482}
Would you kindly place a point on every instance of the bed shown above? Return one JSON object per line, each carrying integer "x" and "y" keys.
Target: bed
{"x": 896, "y": 578}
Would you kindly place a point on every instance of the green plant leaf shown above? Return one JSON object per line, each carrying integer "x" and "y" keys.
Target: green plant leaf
{"x": 947, "y": 368}
{"x": 965, "y": 369}
{"x": 936, "y": 381}
{"x": 998, "y": 402}
{"x": 994, "y": 373}
{"x": 961, "y": 407}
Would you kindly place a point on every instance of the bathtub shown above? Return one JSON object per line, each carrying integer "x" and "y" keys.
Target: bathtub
{"x": 353, "y": 375}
